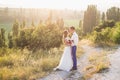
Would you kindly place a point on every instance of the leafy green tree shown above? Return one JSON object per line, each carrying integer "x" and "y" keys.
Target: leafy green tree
{"x": 91, "y": 19}
{"x": 45, "y": 37}
{"x": 40, "y": 37}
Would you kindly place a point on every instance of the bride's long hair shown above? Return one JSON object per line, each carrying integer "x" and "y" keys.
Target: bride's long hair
{"x": 65, "y": 34}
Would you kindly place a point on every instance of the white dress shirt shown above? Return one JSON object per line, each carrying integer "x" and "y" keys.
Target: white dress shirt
{"x": 74, "y": 38}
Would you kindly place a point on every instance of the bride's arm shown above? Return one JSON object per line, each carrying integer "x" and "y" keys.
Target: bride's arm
{"x": 67, "y": 42}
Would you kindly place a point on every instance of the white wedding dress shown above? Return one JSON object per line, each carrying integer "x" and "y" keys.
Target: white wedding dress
{"x": 66, "y": 62}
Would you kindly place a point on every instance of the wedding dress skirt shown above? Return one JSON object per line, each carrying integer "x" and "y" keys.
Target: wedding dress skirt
{"x": 66, "y": 62}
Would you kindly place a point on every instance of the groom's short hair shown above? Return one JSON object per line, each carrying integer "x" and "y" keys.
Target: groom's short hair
{"x": 72, "y": 27}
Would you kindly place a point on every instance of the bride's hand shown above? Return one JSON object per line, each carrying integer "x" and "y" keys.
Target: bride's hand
{"x": 68, "y": 43}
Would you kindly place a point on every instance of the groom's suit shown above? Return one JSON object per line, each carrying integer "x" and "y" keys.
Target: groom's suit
{"x": 74, "y": 39}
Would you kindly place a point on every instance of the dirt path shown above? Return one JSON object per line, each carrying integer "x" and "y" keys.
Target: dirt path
{"x": 114, "y": 70}
{"x": 83, "y": 62}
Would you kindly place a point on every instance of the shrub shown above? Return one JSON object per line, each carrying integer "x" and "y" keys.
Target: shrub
{"x": 102, "y": 37}
{"x": 41, "y": 37}
{"x": 107, "y": 35}
{"x": 46, "y": 37}
{"x": 116, "y": 34}
{"x": 109, "y": 23}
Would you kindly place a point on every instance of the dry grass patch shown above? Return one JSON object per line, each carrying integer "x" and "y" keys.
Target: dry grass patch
{"x": 18, "y": 64}
{"x": 98, "y": 63}
{"x": 25, "y": 65}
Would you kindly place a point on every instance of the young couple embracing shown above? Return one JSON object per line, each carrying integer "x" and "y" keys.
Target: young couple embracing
{"x": 68, "y": 60}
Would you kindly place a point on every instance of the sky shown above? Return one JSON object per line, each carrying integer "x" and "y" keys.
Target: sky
{"x": 60, "y": 4}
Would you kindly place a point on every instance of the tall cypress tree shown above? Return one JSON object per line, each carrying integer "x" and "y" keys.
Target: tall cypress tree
{"x": 2, "y": 37}
{"x": 91, "y": 18}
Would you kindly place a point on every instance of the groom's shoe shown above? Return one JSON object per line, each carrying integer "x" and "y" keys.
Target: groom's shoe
{"x": 73, "y": 69}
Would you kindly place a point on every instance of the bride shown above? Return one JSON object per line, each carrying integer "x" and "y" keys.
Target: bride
{"x": 66, "y": 62}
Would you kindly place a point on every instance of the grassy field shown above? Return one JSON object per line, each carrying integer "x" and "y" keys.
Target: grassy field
{"x": 7, "y": 27}
{"x": 16, "y": 64}
{"x": 25, "y": 65}
{"x": 71, "y": 23}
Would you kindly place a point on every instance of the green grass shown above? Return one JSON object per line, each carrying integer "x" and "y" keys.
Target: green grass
{"x": 71, "y": 23}
{"x": 7, "y": 27}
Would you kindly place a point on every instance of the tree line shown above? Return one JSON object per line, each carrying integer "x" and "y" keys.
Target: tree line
{"x": 42, "y": 36}
{"x": 93, "y": 17}
{"x": 103, "y": 28}
{"x": 48, "y": 34}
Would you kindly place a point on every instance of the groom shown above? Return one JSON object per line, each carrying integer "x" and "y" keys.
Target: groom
{"x": 74, "y": 40}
